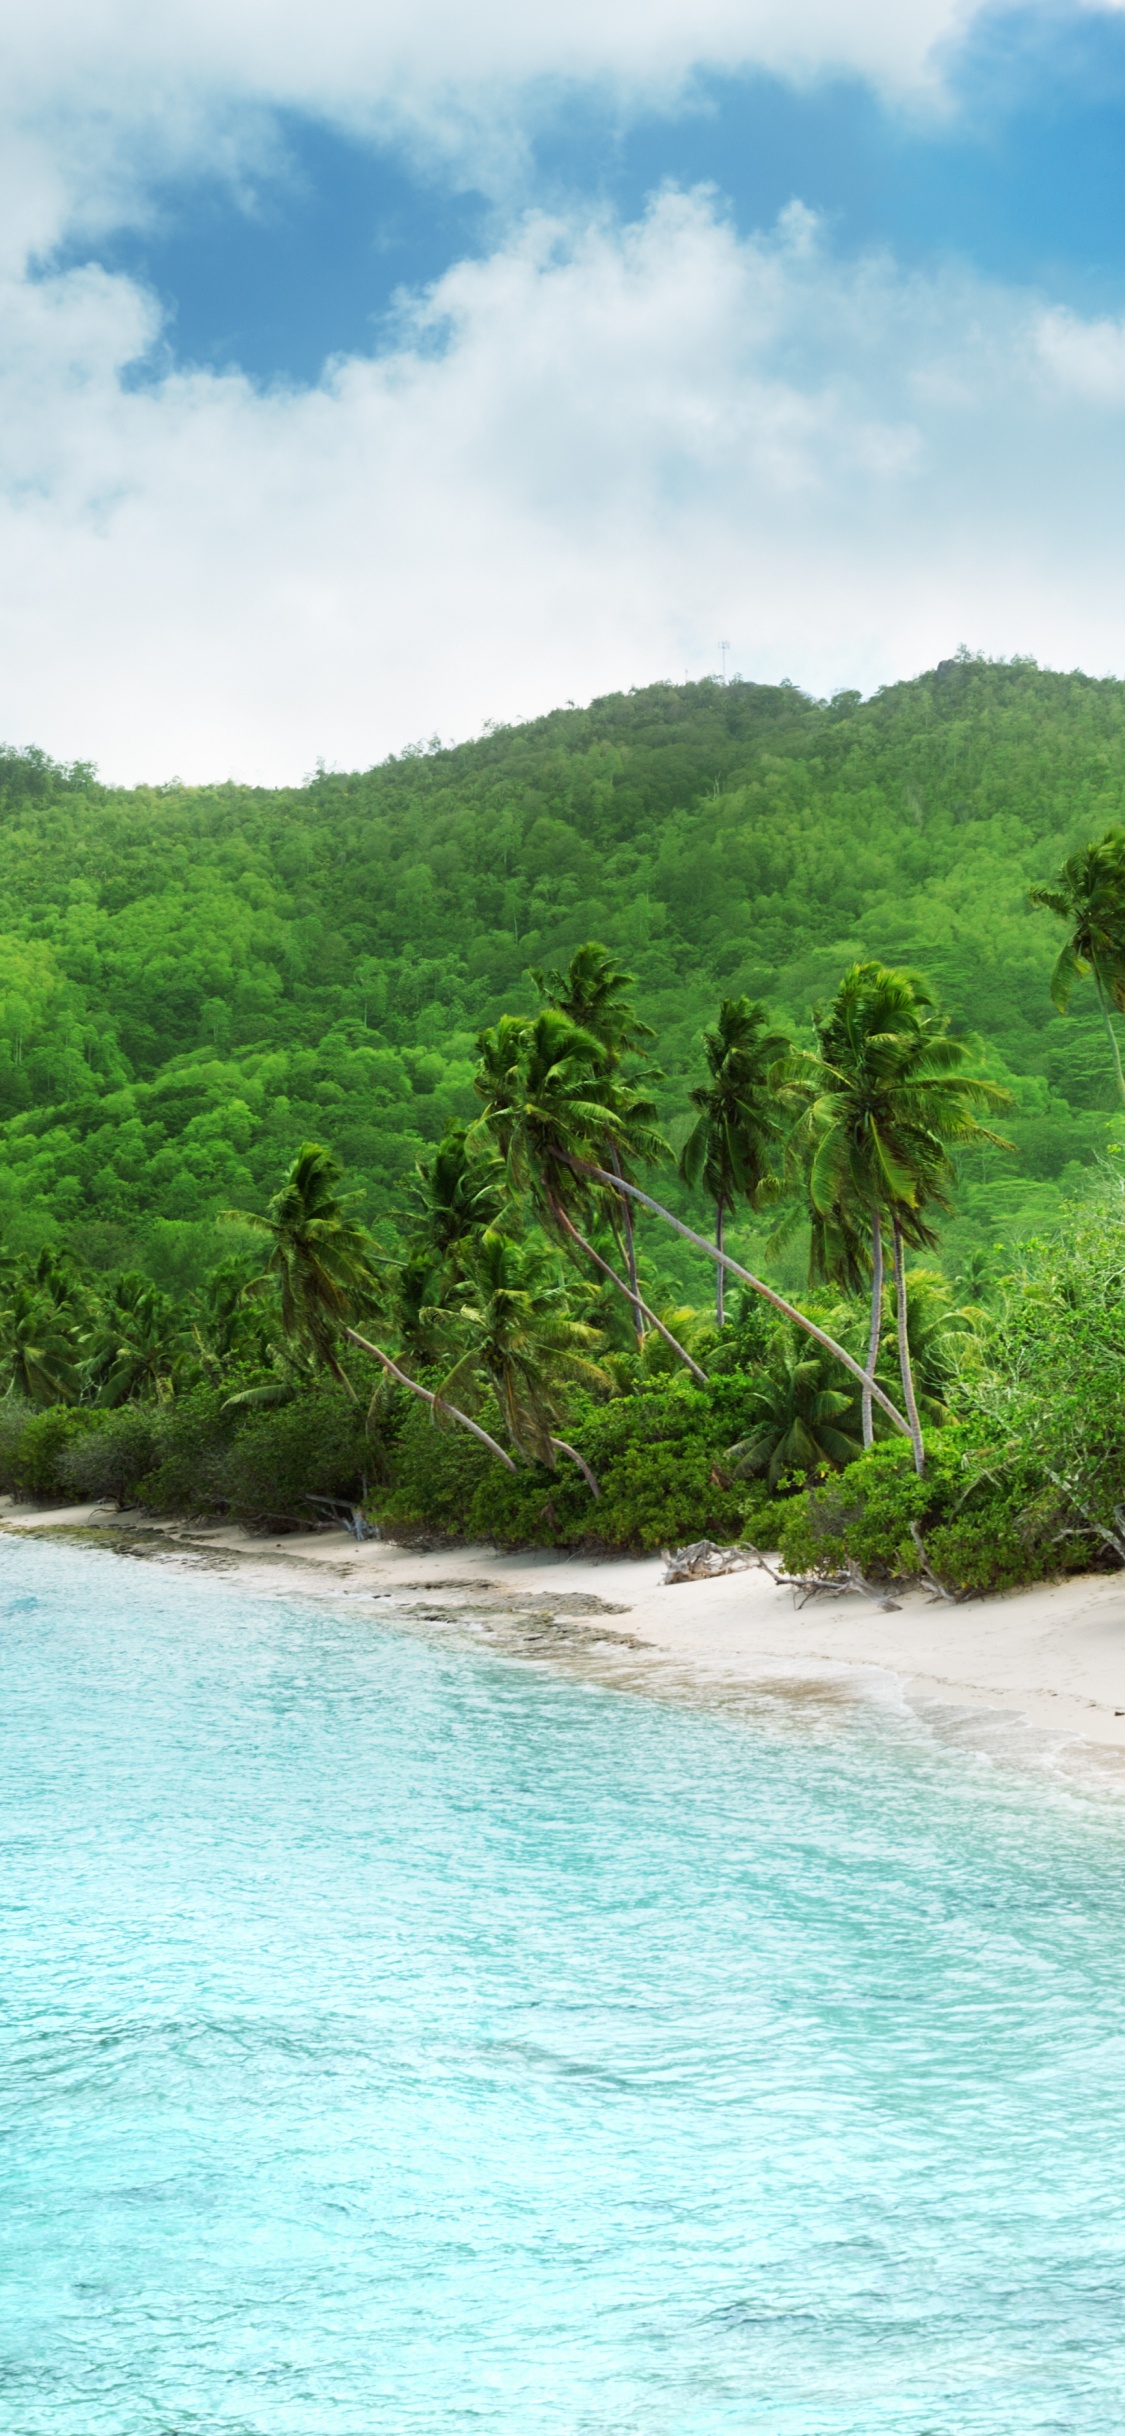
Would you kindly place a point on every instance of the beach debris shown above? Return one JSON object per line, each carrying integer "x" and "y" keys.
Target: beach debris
{"x": 823, "y": 1585}
{"x": 703, "y": 1559}
{"x": 341, "y": 1511}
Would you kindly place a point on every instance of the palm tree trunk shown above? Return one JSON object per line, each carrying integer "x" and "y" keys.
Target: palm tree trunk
{"x": 630, "y": 1254}
{"x": 876, "y": 1323}
{"x": 788, "y": 1310}
{"x": 905, "y": 1371}
{"x": 720, "y": 1273}
{"x": 619, "y": 1282}
{"x": 428, "y": 1397}
{"x": 1110, "y": 1033}
{"x": 587, "y": 1475}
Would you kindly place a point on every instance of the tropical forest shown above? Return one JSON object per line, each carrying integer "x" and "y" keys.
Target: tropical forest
{"x": 700, "y": 1114}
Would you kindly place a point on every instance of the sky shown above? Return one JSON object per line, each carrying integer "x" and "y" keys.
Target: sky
{"x": 373, "y": 372}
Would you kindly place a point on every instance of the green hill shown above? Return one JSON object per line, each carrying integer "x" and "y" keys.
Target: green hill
{"x": 192, "y": 979}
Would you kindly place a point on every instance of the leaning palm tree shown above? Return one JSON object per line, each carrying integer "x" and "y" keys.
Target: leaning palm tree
{"x": 1088, "y": 894}
{"x": 595, "y": 993}
{"x": 321, "y": 1262}
{"x": 735, "y": 1144}
{"x": 889, "y": 1098}
{"x": 551, "y": 1105}
{"x": 514, "y": 1335}
{"x": 548, "y": 1106}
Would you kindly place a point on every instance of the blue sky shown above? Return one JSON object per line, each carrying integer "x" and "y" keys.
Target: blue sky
{"x": 1020, "y": 171}
{"x": 374, "y": 374}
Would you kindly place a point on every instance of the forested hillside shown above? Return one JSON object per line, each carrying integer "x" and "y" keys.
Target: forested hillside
{"x": 193, "y": 980}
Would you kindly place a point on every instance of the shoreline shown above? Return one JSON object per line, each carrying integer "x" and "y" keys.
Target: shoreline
{"x": 1051, "y": 1657}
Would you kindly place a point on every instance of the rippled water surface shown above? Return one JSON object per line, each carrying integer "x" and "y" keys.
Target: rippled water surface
{"x": 397, "y": 2038}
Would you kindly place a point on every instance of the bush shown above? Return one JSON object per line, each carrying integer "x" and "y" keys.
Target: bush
{"x": 14, "y": 1418}
{"x": 186, "y": 1472}
{"x": 315, "y": 1446}
{"x": 658, "y": 1456}
{"x": 35, "y": 1455}
{"x": 432, "y": 1472}
{"x": 985, "y": 1527}
{"x": 112, "y": 1455}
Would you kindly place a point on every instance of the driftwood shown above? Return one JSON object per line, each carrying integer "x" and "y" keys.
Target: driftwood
{"x": 339, "y": 1510}
{"x": 825, "y": 1585}
{"x": 704, "y": 1559}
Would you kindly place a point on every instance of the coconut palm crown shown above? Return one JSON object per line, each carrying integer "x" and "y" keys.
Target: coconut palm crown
{"x": 1088, "y": 894}
{"x": 320, "y": 1259}
{"x": 889, "y": 1100}
{"x": 734, "y": 1148}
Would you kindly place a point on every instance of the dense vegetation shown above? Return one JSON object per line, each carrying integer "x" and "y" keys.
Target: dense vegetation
{"x": 194, "y": 982}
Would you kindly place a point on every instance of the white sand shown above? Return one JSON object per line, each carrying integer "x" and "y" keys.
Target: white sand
{"x": 1054, "y": 1656}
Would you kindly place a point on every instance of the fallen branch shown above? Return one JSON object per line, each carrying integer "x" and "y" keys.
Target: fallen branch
{"x": 834, "y": 1585}
{"x": 704, "y": 1560}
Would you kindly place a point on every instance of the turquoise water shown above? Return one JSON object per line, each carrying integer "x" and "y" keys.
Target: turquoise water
{"x": 395, "y": 2038}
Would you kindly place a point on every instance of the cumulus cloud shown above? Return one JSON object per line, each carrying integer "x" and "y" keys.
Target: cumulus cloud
{"x": 348, "y": 57}
{"x": 583, "y": 460}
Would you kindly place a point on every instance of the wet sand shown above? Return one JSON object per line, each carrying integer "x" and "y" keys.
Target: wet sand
{"x": 1052, "y": 1656}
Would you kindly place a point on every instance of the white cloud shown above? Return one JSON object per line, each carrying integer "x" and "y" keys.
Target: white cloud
{"x": 101, "y": 100}
{"x": 349, "y": 57}
{"x": 1084, "y": 357}
{"x": 586, "y": 459}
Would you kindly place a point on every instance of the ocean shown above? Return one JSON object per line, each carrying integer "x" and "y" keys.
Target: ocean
{"x": 398, "y": 2036}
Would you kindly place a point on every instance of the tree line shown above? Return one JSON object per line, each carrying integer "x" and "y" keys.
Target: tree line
{"x": 520, "y": 1286}
{"x": 194, "y": 980}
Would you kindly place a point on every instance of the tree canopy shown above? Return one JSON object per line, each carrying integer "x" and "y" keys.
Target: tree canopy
{"x": 194, "y": 980}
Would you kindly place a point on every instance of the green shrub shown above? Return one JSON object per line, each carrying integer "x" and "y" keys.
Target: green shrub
{"x": 431, "y": 1473}
{"x": 984, "y": 1527}
{"x": 187, "y": 1470}
{"x": 110, "y": 1458}
{"x": 992, "y": 1549}
{"x": 658, "y": 1456}
{"x": 35, "y": 1459}
{"x": 315, "y": 1446}
{"x": 14, "y": 1418}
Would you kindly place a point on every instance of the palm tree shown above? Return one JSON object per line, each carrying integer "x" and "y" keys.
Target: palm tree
{"x": 889, "y": 1096}
{"x": 594, "y": 992}
{"x": 321, "y": 1262}
{"x": 548, "y": 1104}
{"x": 1088, "y": 894}
{"x": 516, "y": 1337}
{"x": 44, "y": 1316}
{"x": 551, "y": 1104}
{"x": 454, "y": 1197}
{"x": 137, "y": 1349}
{"x": 796, "y": 1415}
{"x": 936, "y": 1328}
{"x": 740, "y": 1122}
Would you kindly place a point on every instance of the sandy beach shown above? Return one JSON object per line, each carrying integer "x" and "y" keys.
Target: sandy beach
{"x": 1052, "y": 1656}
